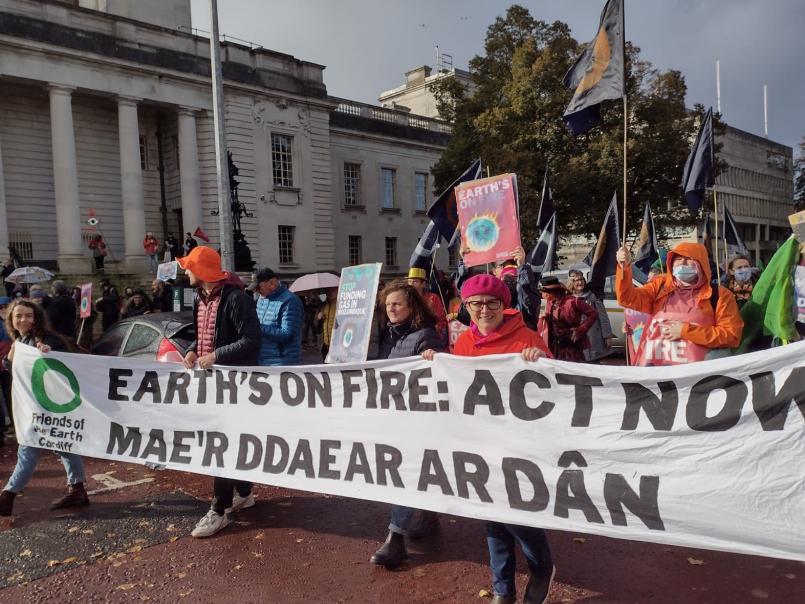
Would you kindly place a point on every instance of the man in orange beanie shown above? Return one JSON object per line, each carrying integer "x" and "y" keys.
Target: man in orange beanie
{"x": 227, "y": 333}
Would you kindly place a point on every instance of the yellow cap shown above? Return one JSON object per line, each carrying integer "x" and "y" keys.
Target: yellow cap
{"x": 417, "y": 273}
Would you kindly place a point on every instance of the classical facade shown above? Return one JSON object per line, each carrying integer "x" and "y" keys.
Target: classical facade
{"x": 106, "y": 115}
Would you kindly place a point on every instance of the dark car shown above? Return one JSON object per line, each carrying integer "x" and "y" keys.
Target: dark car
{"x": 163, "y": 336}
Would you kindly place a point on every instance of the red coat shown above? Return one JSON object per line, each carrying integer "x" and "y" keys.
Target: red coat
{"x": 437, "y": 306}
{"x": 512, "y": 336}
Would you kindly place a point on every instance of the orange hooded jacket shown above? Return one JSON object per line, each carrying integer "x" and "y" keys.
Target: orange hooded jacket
{"x": 651, "y": 298}
{"x": 512, "y": 336}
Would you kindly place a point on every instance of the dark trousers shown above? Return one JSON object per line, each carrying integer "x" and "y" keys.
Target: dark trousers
{"x": 99, "y": 263}
{"x": 223, "y": 490}
{"x": 501, "y": 538}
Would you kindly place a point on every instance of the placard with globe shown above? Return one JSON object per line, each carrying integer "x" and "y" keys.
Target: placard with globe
{"x": 488, "y": 219}
{"x": 357, "y": 294}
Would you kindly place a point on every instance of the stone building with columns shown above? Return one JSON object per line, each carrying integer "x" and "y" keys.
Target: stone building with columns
{"x": 106, "y": 113}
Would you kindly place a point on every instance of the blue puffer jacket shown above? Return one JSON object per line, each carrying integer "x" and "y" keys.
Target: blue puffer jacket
{"x": 281, "y": 315}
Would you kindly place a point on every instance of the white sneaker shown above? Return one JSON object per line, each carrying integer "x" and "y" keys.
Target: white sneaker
{"x": 241, "y": 503}
{"x": 210, "y": 524}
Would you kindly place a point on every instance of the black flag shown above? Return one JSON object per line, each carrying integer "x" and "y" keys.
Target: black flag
{"x": 733, "y": 240}
{"x": 443, "y": 212}
{"x": 698, "y": 174}
{"x": 597, "y": 75}
{"x": 544, "y": 252}
{"x": 648, "y": 252}
{"x": 604, "y": 260}
{"x": 546, "y": 207}
{"x": 423, "y": 252}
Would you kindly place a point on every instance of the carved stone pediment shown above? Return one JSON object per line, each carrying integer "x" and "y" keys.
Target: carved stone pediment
{"x": 280, "y": 113}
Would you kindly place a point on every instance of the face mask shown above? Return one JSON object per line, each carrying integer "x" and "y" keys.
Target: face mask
{"x": 686, "y": 274}
{"x": 742, "y": 275}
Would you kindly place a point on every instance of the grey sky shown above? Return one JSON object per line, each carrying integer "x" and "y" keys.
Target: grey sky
{"x": 368, "y": 45}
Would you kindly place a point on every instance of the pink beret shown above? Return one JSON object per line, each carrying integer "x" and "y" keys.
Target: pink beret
{"x": 486, "y": 285}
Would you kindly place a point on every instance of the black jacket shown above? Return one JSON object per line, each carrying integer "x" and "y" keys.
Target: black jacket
{"x": 400, "y": 341}
{"x": 61, "y": 315}
{"x": 237, "y": 330}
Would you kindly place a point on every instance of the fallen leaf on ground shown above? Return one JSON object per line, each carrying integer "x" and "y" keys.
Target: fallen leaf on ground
{"x": 419, "y": 572}
{"x": 695, "y": 562}
{"x": 171, "y": 527}
{"x": 126, "y": 586}
{"x": 579, "y": 539}
{"x": 52, "y": 563}
{"x": 257, "y": 554}
{"x": 759, "y": 593}
{"x": 87, "y": 532}
{"x": 69, "y": 560}
{"x": 484, "y": 594}
{"x": 260, "y": 535}
{"x": 173, "y": 539}
{"x": 136, "y": 548}
{"x": 238, "y": 566}
{"x": 299, "y": 540}
{"x": 72, "y": 529}
{"x": 26, "y": 553}
{"x": 181, "y": 575}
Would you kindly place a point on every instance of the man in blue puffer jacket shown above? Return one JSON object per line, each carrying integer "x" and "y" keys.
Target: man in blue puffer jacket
{"x": 281, "y": 314}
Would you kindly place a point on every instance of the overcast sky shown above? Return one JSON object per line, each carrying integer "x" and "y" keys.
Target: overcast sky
{"x": 368, "y": 45}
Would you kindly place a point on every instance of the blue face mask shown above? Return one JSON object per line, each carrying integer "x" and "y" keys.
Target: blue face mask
{"x": 744, "y": 274}
{"x": 686, "y": 274}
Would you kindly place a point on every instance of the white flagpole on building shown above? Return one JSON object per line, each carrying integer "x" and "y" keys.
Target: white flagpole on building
{"x": 221, "y": 162}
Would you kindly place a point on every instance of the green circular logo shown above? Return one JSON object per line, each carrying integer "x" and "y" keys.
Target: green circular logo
{"x": 41, "y": 366}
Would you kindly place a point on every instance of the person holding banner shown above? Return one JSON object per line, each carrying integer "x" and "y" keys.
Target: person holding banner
{"x": 227, "y": 333}
{"x": 27, "y": 324}
{"x": 496, "y": 329}
{"x": 690, "y": 316}
{"x": 407, "y": 329}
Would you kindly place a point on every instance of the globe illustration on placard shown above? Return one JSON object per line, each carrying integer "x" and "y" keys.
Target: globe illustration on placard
{"x": 346, "y": 341}
{"x": 483, "y": 232}
{"x": 84, "y": 304}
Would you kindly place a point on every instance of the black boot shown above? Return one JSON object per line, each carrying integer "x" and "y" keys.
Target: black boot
{"x": 392, "y": 553}
{"x": 504, "y": 600}
{"x": 539, "y": 586}
{"x": 6, "y": 503}
{"x": 76, "y": 497}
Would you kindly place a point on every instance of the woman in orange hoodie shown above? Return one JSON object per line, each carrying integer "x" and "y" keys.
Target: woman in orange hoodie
{"x": 690, "y": 315}
{"x": 497, "y": 329}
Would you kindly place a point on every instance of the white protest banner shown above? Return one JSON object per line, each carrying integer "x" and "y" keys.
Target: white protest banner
{"x": 352, "y": 329}
{"x": 704, "y": 455}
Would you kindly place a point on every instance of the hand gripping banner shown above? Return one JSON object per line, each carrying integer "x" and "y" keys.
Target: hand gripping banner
{"x": 706, "y": 455}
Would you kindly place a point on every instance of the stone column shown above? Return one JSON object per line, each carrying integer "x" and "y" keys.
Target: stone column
{"x": 192, "y": 215}
{"x": 131, "y": 181}
{"x": 70, "y": 256}
{"x": 3, "y": 213}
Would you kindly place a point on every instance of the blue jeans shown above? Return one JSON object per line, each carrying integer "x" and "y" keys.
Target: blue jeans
{"x": 28, "y": 457}
{"x": 153, "y": 264}
{"x": 500, "y": 538}
{"x": 401, "y": 519}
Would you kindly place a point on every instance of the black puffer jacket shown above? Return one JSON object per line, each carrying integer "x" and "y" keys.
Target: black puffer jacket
{"x": 237, "y": 330}
{"x": 400, "y": 341}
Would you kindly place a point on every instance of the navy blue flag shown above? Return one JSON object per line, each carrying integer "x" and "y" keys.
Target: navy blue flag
{"x": 698, "y": 174}
{"x": 604, "y": 260}
{"x": 597, "y": 75}
{"x": 546, "y": 207}
{"x": 648, "y": 251}
{"x": 734, "y": 243}
{"x": 423, "y": 252}
{"x": 443, "y": 212}
{"x": 544, "y": 253}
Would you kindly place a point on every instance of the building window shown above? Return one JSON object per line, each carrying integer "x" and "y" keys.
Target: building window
{"x": 452, "y": 253}
{"x": 175, "y": 142}
{"x": 285, "y": 236}
{"x": 282, "y": 160}
{"x": 354, "y": 250}
{"x": 388, "y": 178}
{"x": 391, "y": 251}
{"x": 143, "y": 152}
{"x": 352, "y": 184}
{"x": 421, "y": 185}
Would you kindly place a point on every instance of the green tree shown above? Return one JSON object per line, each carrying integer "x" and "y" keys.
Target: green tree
{"x": 511, "y": 115}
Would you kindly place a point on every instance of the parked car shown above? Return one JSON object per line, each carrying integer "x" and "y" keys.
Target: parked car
{"x": 163, "y": 336}
{"x": 614, "y": 310}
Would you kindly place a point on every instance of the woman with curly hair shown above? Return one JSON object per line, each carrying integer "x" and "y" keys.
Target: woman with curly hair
{"x": 26, "y": 323}
{"x": 407, "y": 328}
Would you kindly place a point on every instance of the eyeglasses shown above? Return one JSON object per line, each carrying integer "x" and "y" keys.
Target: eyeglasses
{"x": 477, "y": 305}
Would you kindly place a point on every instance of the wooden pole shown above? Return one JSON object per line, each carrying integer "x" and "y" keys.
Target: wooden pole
{"x": 80, "y": 332}
{"x": 717, "y": 258}
{"x": 625, "y": 130}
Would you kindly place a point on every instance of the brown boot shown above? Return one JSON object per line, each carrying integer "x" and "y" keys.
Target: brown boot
{"x": 76, "y": 497}
{"x": 6, "y": 503}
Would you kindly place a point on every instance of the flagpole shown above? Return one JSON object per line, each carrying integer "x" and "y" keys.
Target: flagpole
{"x": 715, "y": 201}
{"x": 625, "y": 116}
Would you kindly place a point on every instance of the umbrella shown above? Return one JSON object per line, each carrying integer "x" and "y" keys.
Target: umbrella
{"x": 29, "y": 274}
{"x": 307, "y": 283}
